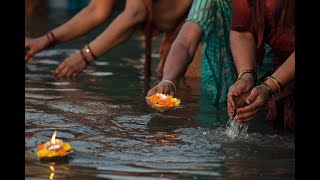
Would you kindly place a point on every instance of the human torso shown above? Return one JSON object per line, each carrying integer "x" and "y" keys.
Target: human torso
{"x": 167, "y": 14}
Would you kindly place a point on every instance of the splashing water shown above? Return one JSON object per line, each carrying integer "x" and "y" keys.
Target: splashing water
{"x": 236, "y": 129}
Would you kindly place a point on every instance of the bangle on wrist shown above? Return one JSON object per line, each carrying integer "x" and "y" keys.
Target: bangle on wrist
{"x": 84, "y": 58}
{"x": 175, "y": 88}
{"x": 276, "y": 82}
{"x": 253, "y": 72}
{"x": 88, "y": 50}
{"x": 52, "y": 38}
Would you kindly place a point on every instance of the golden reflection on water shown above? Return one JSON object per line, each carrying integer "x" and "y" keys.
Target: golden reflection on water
{"x": 52, "y": 172}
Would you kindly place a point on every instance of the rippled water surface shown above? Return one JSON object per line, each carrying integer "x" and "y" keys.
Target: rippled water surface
{"x": 116, "y": 135}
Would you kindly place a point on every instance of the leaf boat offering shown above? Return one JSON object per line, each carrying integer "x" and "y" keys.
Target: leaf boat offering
{"x": 162, "y": 102}
{"x": 55, "y": 148}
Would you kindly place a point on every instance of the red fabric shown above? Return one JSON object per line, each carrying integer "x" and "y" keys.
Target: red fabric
{"x": 241, "y": 14}
{"x": 282, "y": 42}
{"x": 147, "y": 31}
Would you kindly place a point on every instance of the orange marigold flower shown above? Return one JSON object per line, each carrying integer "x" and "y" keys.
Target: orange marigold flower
{"x": 164, "y": 100}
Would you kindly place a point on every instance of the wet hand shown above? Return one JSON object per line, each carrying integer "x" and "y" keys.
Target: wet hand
{"x": 162, "y": 87}
{"x": 238, "y": 102}
{"x": 237, "y": 93}
{"x": 35, "y": 45}
{"x": 70, "y": 67}
{"x": 256, "y": 100}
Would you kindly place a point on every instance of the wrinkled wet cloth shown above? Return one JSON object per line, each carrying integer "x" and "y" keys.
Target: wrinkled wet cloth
{"x": 217, "y": 68}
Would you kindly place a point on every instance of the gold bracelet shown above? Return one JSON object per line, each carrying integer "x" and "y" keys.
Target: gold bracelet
{"x": 88, "y": 50}
{"x": 275, "y": 81}
{"x": 175, "y": 89}
{"x": 84, "y": 58}
{"x": 253, "y": 72}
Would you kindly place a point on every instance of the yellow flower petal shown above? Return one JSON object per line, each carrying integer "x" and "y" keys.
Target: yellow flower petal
{"x": 66, "y": 146}
{"x": 47, "y": 153}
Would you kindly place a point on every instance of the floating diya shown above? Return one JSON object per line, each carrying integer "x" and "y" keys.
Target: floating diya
{"x": 162, "y": 102}
{"x": 55, "y": 148}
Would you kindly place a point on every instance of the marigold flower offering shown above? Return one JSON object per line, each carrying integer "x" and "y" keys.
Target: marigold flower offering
{"x": 54, "y": 148}
{"x": 163, "y": 102}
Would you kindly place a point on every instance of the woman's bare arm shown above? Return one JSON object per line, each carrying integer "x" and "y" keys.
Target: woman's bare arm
{"x": 180, "y": 56}
{"x": 97, "y": 12}
{"x": 88, "y": 18}
{"x": 116, "y": 33}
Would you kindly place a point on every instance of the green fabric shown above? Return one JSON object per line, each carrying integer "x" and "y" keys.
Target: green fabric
{"x": 217, "y": 69}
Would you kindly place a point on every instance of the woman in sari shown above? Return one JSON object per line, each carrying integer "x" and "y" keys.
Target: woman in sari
{"x": 255, "y": 22}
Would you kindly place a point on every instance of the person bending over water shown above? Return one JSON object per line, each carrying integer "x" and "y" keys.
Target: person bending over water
{"x": 208, "y": 22}
{"x": 154, "y": 17}
{"x": 253, "y": 23}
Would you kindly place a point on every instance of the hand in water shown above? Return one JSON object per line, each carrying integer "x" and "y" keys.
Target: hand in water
{"x": 256, "y": 100}
{"x": 70, "y": 67}
{"x": 238, "y": 94}
{"x": 35, "y": 45}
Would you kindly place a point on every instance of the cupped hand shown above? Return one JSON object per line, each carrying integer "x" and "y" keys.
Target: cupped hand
{"x": 35, "y": 45}
{"x": 237, "y": 94}
{"x": 256, "y": 100}
{"x": 70, "y": 67}
{"x": 162, "y": 87}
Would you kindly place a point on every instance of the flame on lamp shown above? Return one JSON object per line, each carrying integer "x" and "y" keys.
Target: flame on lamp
{"x": 53, "y": 139}
{"x": 54, "y": 144}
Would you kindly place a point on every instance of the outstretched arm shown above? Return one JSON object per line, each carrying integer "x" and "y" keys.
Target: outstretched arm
{"x": 97, "y": 12}
{"x": 243, "y": 49}
{"x": 117, "y": 32}
{"x": 88, "y": 18}
{"x": 180, "y": 56}
{"x": 121, "y": 28}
